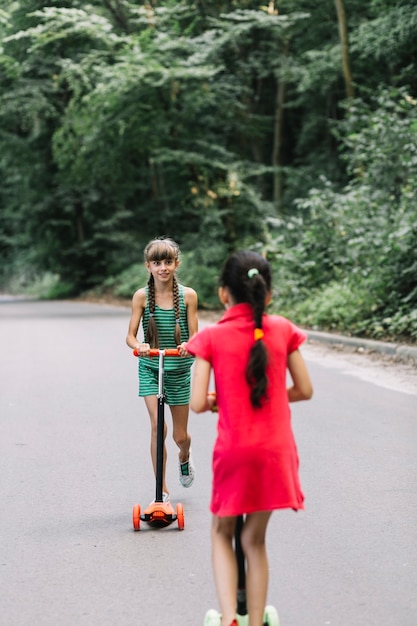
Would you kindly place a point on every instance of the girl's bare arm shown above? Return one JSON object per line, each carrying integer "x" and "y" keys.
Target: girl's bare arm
{"x": 138, "y": 306}
{"x": 301, "y": 389}
{"x": 200, "y": 400}
{"x": 191, "y": 300}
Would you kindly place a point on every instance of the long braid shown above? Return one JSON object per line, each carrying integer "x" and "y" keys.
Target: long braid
{"x": 176, "y": 298}
{"x": 247, "y": 275}
{"x": 152, "y": 331}
{"x": 258, "y": 358}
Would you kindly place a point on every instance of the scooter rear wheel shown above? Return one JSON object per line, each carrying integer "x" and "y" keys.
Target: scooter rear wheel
{"x": 136, "y": 517}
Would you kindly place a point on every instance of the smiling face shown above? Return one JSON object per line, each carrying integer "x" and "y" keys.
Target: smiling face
{"x": 161, "y": 259}
{"x": 163, "y": 270}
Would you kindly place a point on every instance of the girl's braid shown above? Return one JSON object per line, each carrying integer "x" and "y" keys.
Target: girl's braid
{"x": 152, "y": 331}
{"x": 258, "y": 358}
{"x": 247, "y": 275}
{"x": 176, "y": 297}
{"x": 257, "y": 293}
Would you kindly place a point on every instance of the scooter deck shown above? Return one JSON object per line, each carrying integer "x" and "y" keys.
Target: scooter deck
{"x": 159, "y": 515}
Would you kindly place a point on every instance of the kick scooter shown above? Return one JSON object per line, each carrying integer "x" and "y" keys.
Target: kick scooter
{"x": 159, "y": 513}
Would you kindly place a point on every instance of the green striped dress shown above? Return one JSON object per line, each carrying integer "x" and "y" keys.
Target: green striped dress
{"x": 165, "y": 321}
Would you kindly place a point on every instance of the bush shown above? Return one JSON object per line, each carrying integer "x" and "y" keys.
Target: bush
{"x": 337, "y": 306}
{"x": 401, "y": 326}
{"x": 45, "y": 286}
{"x": 127, "y": 282}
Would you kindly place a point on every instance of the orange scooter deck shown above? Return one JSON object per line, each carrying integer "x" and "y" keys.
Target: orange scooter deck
{"x": 159, "y": 515}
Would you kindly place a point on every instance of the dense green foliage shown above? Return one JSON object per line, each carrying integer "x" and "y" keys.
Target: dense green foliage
{"x": 222, "y": 124}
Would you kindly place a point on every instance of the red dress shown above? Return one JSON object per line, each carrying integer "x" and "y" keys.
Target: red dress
{"x": 255, "y": 459}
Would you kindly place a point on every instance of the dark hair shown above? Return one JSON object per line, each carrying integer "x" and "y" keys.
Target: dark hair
{"x": 247, "y": 275}
{"x": 161, "y": 249}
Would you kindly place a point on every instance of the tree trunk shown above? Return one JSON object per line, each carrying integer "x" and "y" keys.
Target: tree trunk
{"x": 117, "y": 10}
{"x": 79, "y": 221}
{"x": 278, "y": 137}
{"x": 344, "y": 42}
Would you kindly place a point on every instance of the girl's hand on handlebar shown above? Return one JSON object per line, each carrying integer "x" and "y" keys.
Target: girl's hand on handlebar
{"x": 182, "y": 349}
{"x": 212, "y": 402}
{"x": 142, "y": 349}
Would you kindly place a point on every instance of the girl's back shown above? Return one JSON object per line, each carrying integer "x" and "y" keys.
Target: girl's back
{"x": 227, "y": 346}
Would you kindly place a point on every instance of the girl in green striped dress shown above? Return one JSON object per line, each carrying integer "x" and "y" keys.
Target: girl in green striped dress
{"x": 168, "y": 312}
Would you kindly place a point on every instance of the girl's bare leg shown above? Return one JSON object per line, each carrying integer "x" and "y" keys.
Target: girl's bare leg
{"x": 152, "y": 406}
{"x": 179, "y": 430}
{"x": 224, "y": 566}
{"x": 253, "y": 545}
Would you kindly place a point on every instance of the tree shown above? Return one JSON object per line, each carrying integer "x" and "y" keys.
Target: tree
{"x": 341, "y": 18}
{"x": 214, "y": 122}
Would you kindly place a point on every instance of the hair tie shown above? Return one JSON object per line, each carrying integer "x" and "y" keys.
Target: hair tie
{"x": 252, "y": 272}
{"x": 258, "y": 334}
{"x": 177, "y": 321}
{"x": 151, "y": 314}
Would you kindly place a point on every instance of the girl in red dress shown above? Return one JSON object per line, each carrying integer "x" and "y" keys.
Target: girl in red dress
{"x": 255, "y": 460}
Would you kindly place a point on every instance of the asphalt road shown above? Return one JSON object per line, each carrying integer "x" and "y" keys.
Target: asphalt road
{"x": 74, "y": 459}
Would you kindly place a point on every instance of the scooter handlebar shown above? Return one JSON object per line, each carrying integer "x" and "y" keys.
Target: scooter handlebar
{"x": 155, "y": 352}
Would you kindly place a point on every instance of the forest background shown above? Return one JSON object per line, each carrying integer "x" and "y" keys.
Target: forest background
{"x": 289, "y": 128}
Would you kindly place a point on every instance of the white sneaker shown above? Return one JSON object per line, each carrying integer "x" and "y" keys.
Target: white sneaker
{"x": 186, "y": 471}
